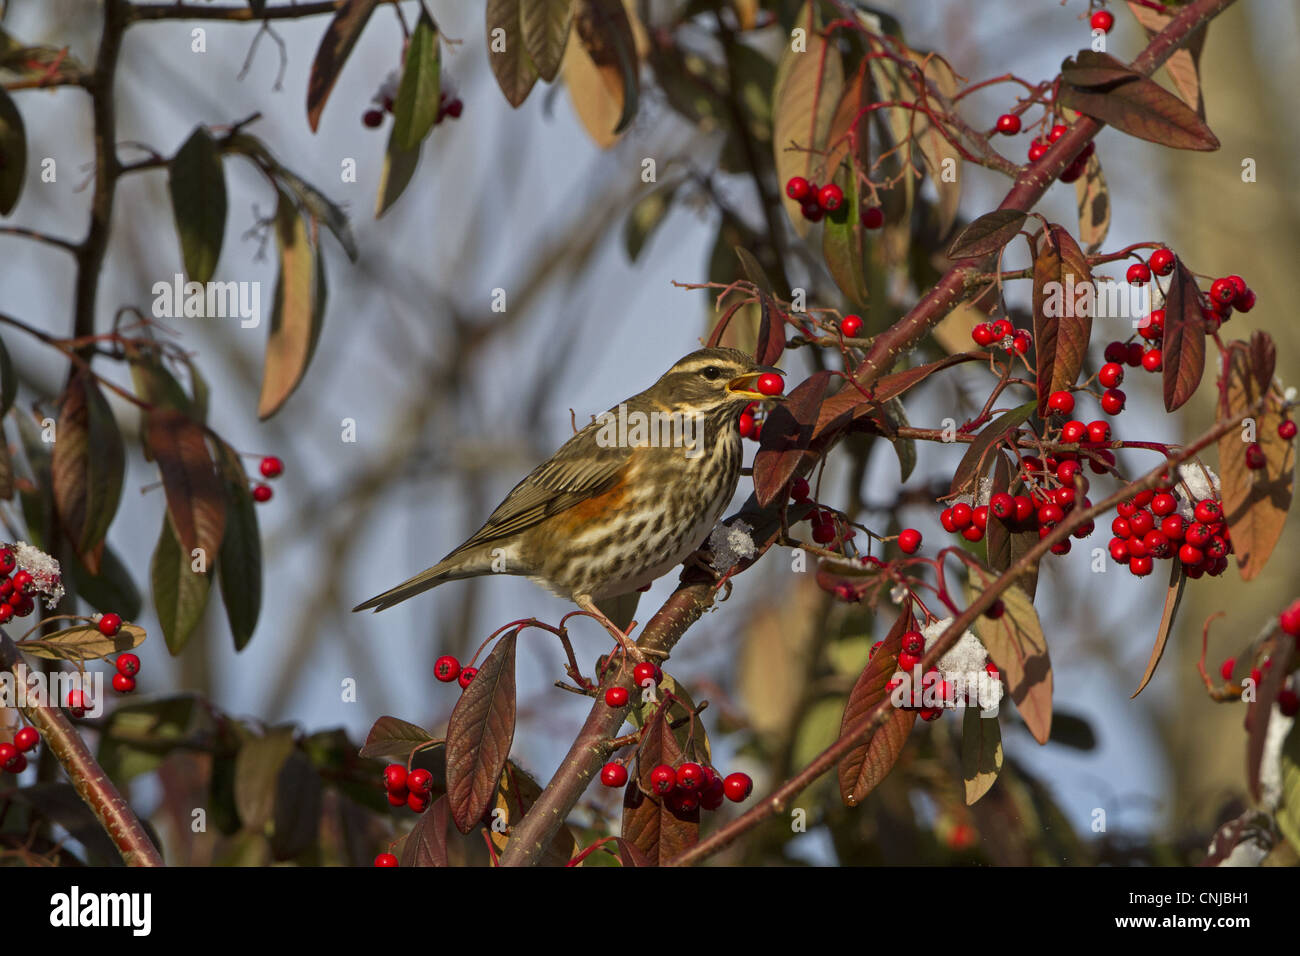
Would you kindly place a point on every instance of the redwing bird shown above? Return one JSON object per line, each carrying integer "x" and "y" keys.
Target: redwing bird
{"x": 613, "y": 509}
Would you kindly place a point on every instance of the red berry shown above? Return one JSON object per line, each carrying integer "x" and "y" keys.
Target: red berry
{"x": 467, "y": 675}
{"x": 1288, "y": 702}
{"x": 1008, "y": 124}
{"x": 1141, "y": 567}
{"x": 76, "y": 703}
{"x": 261, "y": 493}
{"x": 737, "y": 786}
{"x": 811, "y": 210}
{"x": 1138, "y": 273}
{"x": 1102, "y": 20}
{"x": 1050, "y": 515}
{"x": 1153, "y": 360}
{"x": 1153, "y": 329}
{"x": 1161, "y": 262}
{"x": 1245, "y": 302}
{"x": 1223, "y": 291}
{"x": 1056, "y": 132}
{"x": 913, "y": 643}
{"x": 873, "y": 218}
{"x": 908, "y": 661}
{"x": 455, "y": 108}
{"x": 26, "y": 738}
{"x": 110, "y": 624}
{"x": 446, "y": 668}
{"x": 395, "y": 777}
{"x": 909, "y": 540}
{"x": 1036, "y": 150}
{"x": 1286, "y": 430}
{"x": 983, "y": 334}
{"x": 7, "y": 560}
{"x": 123, "y": 684}
{"x": 417, "y": 802}
{"x": 385, "y": 859}
{"x": 372, "y": 118}
{"x": 398, "y": 798}
{"x": 1099, "y": 432}
{"x": 128, "y": 665}
{"x": 1227, "y": 667}
{"x": 663, "y": 779}
{"x": 1073, "y": 431}
{"x": 1062, "y": 402}
{"x": 613, "y": 775}
{"x": 21, "y": 580}
{"x": 1189, "y": 554}
{"x": 15, "y": 764}
{"x": 745, "y": 424}
{"x": 769, "y": 383}
{"x": 646, "y": 671}
{"x": 1133, "y": 353}
{"x": 799, "y": 489}
{"x": 798, "y": 188}
{"x": 271, "y": 467}
{"x": 1111, "y": 374}
{"x": 8, "y": 753}
{"x": 961, "y": 515}
{"x": 824, "y": 532}
{"x": 1255, "y": 457}
{"x": 1112, "y": 402}
{"x": 1002, "y": 505}
{"x": 851, "y": 326}
{"x": 1022, "y": 342}
{"x": 1163, "y": 503}
{"x": 419, "y": 781}
{"x": 1207, "y": 511}
{"x": 830, "y": 197}
{"x": 616, "y": 697}
{"x": 1118, "y": 548}
{"x": 690, "y": 776}
{"x": 1116, "y": 352}
{"x": 1290, "y": 619}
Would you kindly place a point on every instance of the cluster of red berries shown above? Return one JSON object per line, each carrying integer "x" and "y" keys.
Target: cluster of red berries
{"x": 407, "y": 788}
{"x": 687, "y": 787}
{"x": 912, "y": 649}
{"x": 1004, "y": 333}
{"x": 448, "y": 669}
{"x": 1039, "y": 146}
{"x": 816, "y": 201}
{"x": 15, "y": 592}
{"x": 825, "y": 527}
{"x": 449, "y": 104}
{"x": 1055, "y": 487}
{"x": 1148, "y": 527}
{"x": 1227, "y": 293}
{"x": 271, "y": 468}
{"x": 13, "y": 757}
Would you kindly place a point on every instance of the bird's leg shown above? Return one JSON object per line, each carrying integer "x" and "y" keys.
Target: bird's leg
{"x": 633, "y": 652}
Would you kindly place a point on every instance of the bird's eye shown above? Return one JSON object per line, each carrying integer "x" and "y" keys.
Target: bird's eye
{"x": 711, "y": 373}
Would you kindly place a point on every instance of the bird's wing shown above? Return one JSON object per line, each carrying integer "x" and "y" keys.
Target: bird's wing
{"x": 581, "y": 469}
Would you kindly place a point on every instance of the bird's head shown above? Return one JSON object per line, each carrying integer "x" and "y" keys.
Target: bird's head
{"x": 711, "y": 380}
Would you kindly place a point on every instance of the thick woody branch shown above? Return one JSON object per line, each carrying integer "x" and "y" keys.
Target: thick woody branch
{"x": 88, "y": 778}
{"x": 143, "y": 12}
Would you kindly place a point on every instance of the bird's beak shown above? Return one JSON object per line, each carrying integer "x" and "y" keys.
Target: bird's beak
{"x": 746, "y": 385}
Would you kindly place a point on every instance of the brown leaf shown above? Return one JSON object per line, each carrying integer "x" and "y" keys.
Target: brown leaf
{"x": 938, "y": 151}
{"x": 335, "y": 46}
{"x": 981, "y": 753}
{"x": 1183, "y": 64}
{"x": 1016, "y": 644}
{"x": 1183, "y": 347}
{"x": 545, "y": 28}
{"x": 426, "y": 844}
{"x": 195, "y": 500}
{"x": 1132, "y": 103}
{"x": 656, "y": 829}
{"x": 82, "y": 643}
{"x": 805, "y": 97}
{"x": 297, "y": 313}
{"x": 1093, "y": 199}
{"x": 849, "y": 405}
{"x": 863, "y": 767}
{"x": 515, "y": 797}
{"x": 852, "y": 120}
{"x": 1255, "y": 501}
{"x": 1173, "y": 596}
{"x": 479, "y": 734}
{"x": 771, "y": 333}
{"x": 973, "y": 464}
{"x": 786, "y": 435}
{"x": 601, "y": 71}
{"x": 87, "y": 465}
{"x": 997, "y": 533}
{"x": 391, "y": 737}
{"x": 1062, "y": 321}
{"x": 513, "y": 68}
{"x": 987, "y": 234}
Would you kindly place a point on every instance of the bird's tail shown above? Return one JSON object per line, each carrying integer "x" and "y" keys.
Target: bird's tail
{"x": 445, "y": 570}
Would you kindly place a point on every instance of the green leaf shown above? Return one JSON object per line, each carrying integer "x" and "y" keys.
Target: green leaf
{"x": 416, "y": 107}
{"x": 13, "y": 154}
{"x": 981, "y": 753}
{"x": 180, "y": 594}
{"x": 112, "y": 589}
{"x": 545, "y": 28}
{"x": 297, "y": 313}
{"x": 88, "y": 463}
{"x": 198, "y": 191}
{"x": 843, "y": 244}
{"x": 138, "y": 736}
{"x": 1288, "y": 811}
{"x": 257, "y": 772}
{"x": 399, "y": 167}
{"x": 335, "y": 46}
{"x": 513, "y": 68}
{"x": 239, "y": 565}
